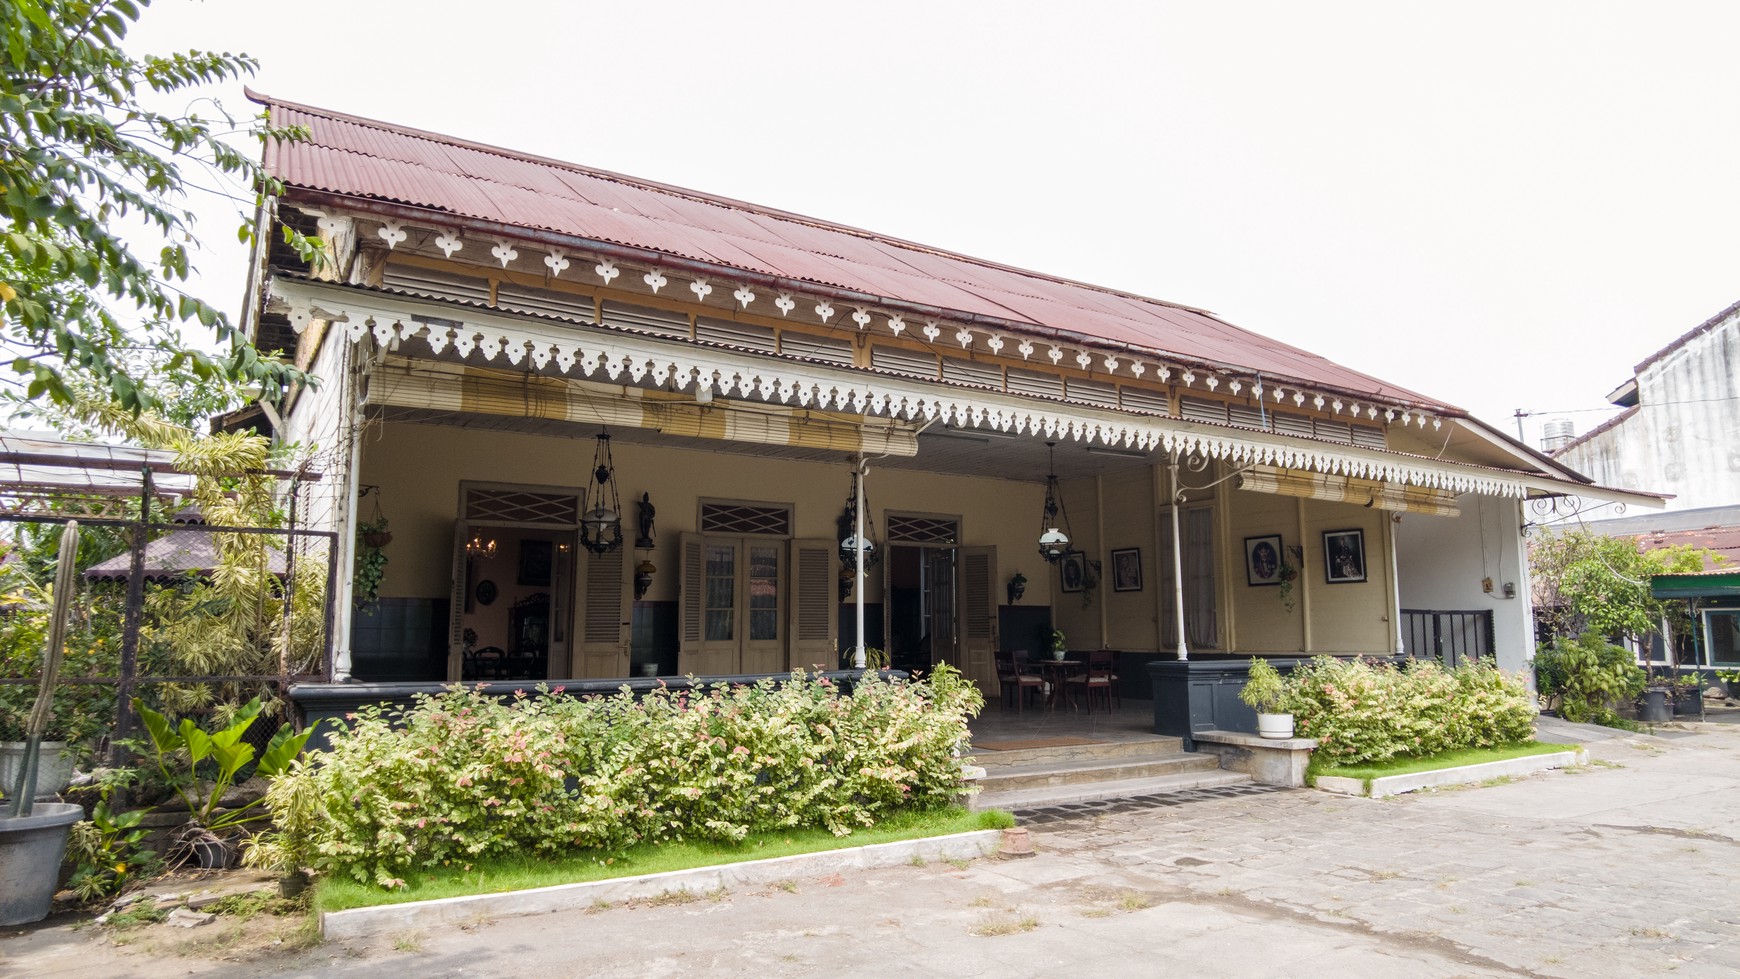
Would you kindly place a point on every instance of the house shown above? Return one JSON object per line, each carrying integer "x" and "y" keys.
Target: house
{"x": 620, "y": 428}
{"x": 1677, "y": 432}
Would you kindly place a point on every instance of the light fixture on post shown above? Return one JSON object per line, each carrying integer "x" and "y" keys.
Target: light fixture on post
{"x": 1053, "y": 543}
{"x": 601, "y": 525}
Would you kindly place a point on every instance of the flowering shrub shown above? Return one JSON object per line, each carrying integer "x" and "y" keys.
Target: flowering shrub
{"x": 1361, "y": 712}
{"x": 463, "y": 776}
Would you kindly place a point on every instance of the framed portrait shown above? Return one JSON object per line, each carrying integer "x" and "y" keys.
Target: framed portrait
{"x": 1343, "y": 556}
{"x": 1263, "y": 560}
{"x": 1074, "y": 570}
{"x": 1127, "y": 569}
{"x": 535, "y": 563}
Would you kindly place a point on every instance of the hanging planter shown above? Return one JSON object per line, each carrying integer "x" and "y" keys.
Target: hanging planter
{"x": 371, "y": 563}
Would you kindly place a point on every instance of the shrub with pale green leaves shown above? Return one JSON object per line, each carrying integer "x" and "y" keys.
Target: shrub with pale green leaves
{"x": 463, "y": 776}
{"x": 1361, "y": 711}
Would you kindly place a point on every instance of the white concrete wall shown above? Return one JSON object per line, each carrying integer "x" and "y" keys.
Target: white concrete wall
{"x": 1681, "y": 440}
{"x": 1441, "y": 562}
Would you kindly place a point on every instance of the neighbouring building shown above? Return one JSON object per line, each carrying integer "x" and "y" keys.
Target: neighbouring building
{"x": 489, "y": 317}
{"x": 1679, "y": 433}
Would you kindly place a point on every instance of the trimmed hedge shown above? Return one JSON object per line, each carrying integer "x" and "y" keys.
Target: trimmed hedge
{"x": 463, "y": 776}
{"x": 1360, "y": 711}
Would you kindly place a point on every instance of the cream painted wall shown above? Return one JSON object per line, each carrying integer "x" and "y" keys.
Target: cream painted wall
{"x": 1442, "y": 560}
{"x": 419, "y": 468}
{"x": 1260, "y": 623}
{"x": 1343, "y": 618}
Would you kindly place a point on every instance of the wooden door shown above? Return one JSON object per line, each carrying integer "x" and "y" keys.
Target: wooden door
{"x": 814, "y": 606}
{"x": 606, "y": 614}
{"x": 978, "y": 629}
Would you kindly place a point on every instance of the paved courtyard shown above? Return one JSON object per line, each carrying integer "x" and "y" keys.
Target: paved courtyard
{"x": 1628, "y": 867}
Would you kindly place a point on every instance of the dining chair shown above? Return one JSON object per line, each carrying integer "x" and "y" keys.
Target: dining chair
{"x": 1014, "y": 679}
{"x": 1098, "y": 678}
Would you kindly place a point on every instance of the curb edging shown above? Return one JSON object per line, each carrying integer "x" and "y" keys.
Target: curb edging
{"x": 1393, "y": 785}
{"x": 413, "y": 915}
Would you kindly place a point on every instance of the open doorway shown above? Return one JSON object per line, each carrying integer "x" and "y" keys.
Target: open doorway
{"x": 921, "y": 609}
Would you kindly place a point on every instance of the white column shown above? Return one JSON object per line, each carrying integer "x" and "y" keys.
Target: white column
{"x": 859, "y": 658}
{"x": 1177, "y": 562}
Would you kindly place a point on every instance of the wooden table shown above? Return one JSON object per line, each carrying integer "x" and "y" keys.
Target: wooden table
{"x": 1056, "y": 672}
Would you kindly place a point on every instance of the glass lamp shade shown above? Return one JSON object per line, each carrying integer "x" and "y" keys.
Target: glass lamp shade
{"x": 849, "y": 548}
{"x": 601, "y": 529}
{"x": 1053, "y": 545}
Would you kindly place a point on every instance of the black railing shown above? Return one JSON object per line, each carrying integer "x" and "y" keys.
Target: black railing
{"x": 1452, "y": 637}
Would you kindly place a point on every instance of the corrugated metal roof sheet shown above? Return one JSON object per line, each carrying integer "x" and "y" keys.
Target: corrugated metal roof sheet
{"x": 363, "y": 158}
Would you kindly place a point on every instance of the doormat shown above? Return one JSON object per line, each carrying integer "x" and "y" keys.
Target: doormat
{"x": 1031, "y": 743}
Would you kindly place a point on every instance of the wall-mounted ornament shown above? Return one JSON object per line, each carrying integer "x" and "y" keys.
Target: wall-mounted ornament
{"x": 643, "y": 577}
{"x": 647, "y": 511}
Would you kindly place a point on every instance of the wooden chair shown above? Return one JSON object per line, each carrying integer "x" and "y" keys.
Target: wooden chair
{"x": 1014, "y": 680}
{"x": 1097, "y": 678}
{"x": 488, "y": 663}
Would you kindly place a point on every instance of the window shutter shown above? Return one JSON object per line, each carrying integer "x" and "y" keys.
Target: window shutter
{"x": 815, "y": 608}
{"x": 456, "y": 605}
{"x": 689, "y": 592}
{"x": 604, "y": 616}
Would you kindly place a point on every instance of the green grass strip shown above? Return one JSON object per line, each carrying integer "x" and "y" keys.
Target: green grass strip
{"x": 1431, "y": 763}
{"x": 524, "y": 873}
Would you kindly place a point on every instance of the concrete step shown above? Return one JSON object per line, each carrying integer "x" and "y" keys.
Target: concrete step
{"x": 1064, "y": 754}
{"x": 1057, "y": 795}
{"x": 1040, "y": 776}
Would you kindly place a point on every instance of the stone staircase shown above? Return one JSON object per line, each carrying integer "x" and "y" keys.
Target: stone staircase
{"x": 1032, "y": 778}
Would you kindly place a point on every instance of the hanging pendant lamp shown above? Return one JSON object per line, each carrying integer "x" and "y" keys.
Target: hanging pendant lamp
{"x": 1053, "y": 543}
{"x": 848, "y": 529}
{"x": 601, "y": 525}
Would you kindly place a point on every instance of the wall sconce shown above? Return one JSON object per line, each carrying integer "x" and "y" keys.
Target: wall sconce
{"x": 643, "y": 575}
{"x": 1017, "y": 587}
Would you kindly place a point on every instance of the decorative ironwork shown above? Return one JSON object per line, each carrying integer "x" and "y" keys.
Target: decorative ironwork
{"x": 745, "y": 518}
{"x": 924, "y": 530}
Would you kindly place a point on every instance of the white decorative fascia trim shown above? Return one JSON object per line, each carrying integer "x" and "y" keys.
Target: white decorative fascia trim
{"x": 1083, "y": 353}
{"x": 598, "y": 352}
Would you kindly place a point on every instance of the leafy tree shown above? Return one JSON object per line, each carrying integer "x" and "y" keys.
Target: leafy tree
{"x": 81, "y": 159}
{"x": 1589, "y": 581}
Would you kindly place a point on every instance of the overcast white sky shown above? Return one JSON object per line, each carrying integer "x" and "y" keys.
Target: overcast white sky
{"x": 1501, "y": 205}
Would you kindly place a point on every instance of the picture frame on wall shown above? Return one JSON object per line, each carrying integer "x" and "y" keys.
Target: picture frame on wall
{"x": 1127, "y": 569}
{"x": 1263, "y": 560}
{"x": 535, "y": 563}
{"x": 1343, "y": 556}
{"x": 1073, "y": 568}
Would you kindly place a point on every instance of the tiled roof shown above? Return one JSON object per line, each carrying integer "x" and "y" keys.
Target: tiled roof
{"x": 360, "y": 158}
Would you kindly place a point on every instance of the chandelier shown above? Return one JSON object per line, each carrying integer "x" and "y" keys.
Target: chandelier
{"x": 1053, "y": 543}
{"x": 601, "y": 525}
{"x": 480, "y": 546}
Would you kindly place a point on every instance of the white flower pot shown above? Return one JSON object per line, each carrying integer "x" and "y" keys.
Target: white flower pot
{"x": 54, "y": 769}
{"x": 1276, "y": 727}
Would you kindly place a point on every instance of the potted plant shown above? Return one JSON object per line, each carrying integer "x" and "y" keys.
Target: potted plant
{"x": 33, "y": 837}
{"x": 371, "y": 561}
{"x": 1058, "y": 648}
{"x": 1689, "y": 696}
{"x": 1655, "y": 705}
{"x": 1266, "y": 693}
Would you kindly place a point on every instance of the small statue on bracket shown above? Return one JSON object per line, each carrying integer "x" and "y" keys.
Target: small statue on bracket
{"x": 645, "y": 540}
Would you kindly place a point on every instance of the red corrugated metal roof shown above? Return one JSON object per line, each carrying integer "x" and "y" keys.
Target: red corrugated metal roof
{"x": 363, "y": 158}
{"x": 1722, "y": 540}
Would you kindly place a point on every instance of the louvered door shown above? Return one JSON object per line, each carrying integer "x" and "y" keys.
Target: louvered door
{"x": 605, "y": 614}
{"x": 815, "y": 609}
{"x": 978, "y": 627}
